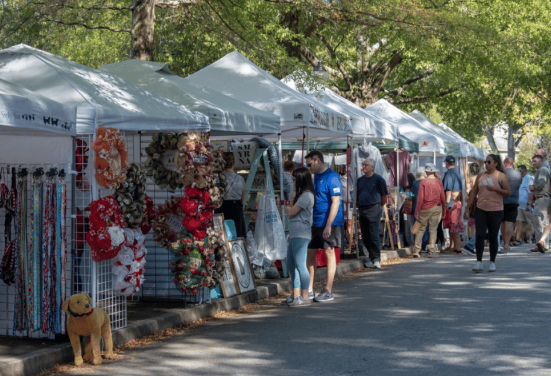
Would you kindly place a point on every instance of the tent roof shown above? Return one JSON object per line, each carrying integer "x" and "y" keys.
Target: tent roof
{"x": 474, "y": 151}
{"x": 364, "y": 124}
{"x": 409, "y": 127}
{"x": 226, "y": 115}
{"x": 234, "y": 75}
{"x": 22, "y": 110}
{"x": 101, "y": 99}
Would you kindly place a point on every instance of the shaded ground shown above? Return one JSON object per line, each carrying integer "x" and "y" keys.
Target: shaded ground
{"x": 425, "y": 317}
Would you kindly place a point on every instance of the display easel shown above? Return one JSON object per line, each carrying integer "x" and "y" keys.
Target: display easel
{"x": 253, "y": 188}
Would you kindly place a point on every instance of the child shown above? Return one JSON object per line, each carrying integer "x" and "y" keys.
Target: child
{"x": 456, "y": 227}
{"x": 300, "y": 234}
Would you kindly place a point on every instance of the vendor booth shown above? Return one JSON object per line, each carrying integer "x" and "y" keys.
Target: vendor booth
{"x": 111, "y": 211}
{"x": 36, "y": 154}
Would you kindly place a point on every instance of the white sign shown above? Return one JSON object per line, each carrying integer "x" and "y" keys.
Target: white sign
{"x": 243, "y": 153}
{"x": 169, "y": 158}
{"x": 259, "y": 181}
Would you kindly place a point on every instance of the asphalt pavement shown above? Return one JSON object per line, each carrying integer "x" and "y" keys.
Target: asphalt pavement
{"x": 421, "y": 317}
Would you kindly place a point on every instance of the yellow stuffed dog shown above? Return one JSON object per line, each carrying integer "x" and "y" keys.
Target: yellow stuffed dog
{"x": 92, "y": 323}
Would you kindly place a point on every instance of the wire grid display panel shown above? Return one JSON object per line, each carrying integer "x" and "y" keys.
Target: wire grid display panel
{"x": 93, "y": 278}
{"x": 7, "y": 293}
{"x": 158, "y": 277}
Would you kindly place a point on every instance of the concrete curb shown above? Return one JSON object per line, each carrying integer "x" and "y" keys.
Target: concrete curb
{"x": 41, "y": 360}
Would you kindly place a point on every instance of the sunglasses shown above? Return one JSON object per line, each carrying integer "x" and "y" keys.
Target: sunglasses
{"x": 308, "y": 165}
{"x": 487, "y": 162}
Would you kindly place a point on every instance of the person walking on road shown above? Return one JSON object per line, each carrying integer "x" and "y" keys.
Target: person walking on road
{"x": 510, "y": 204}
{"x": 539, "y": 201}
{"x": 525, "y": 213}
{"x": 371, "y": 195}
{"x": 452, "y": 186}
{"x": 489, "y": 189}
{"x": 431, "y": 206}
{"x": 327, "y": 222}
{"x": 300, "y": 234}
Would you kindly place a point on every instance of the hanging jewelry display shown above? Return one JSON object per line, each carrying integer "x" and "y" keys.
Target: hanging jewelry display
{"x": 35, "y": 250}
{"x": 20, "y": 250}
{"x": 8, "y": 199}
{"x": 48, "y": 252}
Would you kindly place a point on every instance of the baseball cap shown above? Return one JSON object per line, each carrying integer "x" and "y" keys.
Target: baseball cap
{"x": 450, "y": 159}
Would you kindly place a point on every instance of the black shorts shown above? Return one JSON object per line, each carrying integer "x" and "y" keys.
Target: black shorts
{"x": 510, "y": 212}
{"x": 333, "y": 241}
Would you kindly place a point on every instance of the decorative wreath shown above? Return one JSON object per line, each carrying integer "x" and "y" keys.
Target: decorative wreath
{"x": 194, "y": 161}
{"x": 217, "y": 243}
{"x": 129, "y": 264}
{"x": 131, "y": 196}
{"x": 111, "y": 159}
{"x": 193, "y": 263}
{"x": 154, "y": 166}
{"x": 217, "y": 190}
{"x": 106, "y": 235}
{"x": 198, "y": 211}
{"x": 168, "y": 223}
{"x": 149, "y": 216}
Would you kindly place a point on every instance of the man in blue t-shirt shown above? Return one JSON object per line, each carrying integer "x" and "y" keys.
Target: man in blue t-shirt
{"x": 371, "y": 196}
{"x": 328, "y": 221}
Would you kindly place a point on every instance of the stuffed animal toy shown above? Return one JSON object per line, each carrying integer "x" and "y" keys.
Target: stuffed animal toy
{"x": 92, "y": 323}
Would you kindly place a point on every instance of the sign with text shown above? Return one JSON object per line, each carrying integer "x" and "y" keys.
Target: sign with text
{"x": 243, "y": 153}
{"x": 220, "y": 145}
{"x": 259, "y": 181}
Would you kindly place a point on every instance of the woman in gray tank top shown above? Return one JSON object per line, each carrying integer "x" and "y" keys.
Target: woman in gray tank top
{"x": 232, "y": 207}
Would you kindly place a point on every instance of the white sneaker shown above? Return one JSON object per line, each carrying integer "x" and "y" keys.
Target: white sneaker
{"x": 492, "y": 267}
{"x": 478, "y": 267}
{"x": 377, "y": 265}
{"x": 369, "y": 264}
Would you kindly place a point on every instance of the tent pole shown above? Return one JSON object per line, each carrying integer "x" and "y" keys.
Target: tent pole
{"x": 397, "y": 187}
{"x": 308, "y": 138}
{"x": 434, "y": 157}
{"x": 302, "y": 153}
{"x": 281, "y": 196}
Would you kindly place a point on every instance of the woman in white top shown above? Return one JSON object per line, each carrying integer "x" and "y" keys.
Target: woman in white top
{"x": 232, "y": 207}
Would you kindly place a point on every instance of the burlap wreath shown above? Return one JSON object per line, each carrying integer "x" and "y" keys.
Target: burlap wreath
{"x": 217, "y": 189}
{"x": 218, "y": 245}
{"x": 154, "y": 166}
{"x": 131, "y": 196}
{"x": 168, "y": 223}
{"x": 193, "y": 263}
{"x": 111, "y": 160}
{"x": 194, "y": 161}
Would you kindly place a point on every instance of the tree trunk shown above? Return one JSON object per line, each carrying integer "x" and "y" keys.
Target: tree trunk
{"x": 143, "y": 25}
{"x": 490, "y": 136}
{"x": 510, "y": 142}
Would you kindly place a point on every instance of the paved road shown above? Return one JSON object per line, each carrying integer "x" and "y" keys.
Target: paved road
{"x": 424, "y": 317}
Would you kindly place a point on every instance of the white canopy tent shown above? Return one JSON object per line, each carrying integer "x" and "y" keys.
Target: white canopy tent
{"x": 235, "y": 76}
{"x": 101, "y": 99}
{"x": 227, "y": 116}
{"x": 429, "y": 143}
{"x": 474, "y": 151}
{"x": 364, "y": 124}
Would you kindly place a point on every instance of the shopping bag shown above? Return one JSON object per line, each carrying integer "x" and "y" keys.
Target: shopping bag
{"x": 447, "y": 220}
{"x": 269, "y": 234}
{"x": 408, "y": 206}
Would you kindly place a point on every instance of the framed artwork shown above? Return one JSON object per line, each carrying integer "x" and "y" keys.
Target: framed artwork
{"x": 228, "y": 284}
{"x": 220, "y": 145}
{"x": 241, "y": 265}
{"x": 219, "y": 226}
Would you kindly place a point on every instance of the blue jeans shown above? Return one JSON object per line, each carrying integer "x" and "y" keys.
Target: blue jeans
{"x": 472, "y": 242}
{"x": 296, "y": 262}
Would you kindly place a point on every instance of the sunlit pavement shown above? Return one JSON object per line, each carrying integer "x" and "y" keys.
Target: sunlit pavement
{"x": 424, "y": 317}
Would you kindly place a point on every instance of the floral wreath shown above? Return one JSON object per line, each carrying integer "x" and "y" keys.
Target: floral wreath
{"x": 198, "y": 211}
{"x": 154, "y": 166}
{"x": 106, "y": 235}
{"x": 150, "y": 214}
{"x": 111, "y": 159}
{"x": 193, "y": 263}
{"x": 129, "y": 264}
{"x": 131, "y": 196}
{"x": 168, "y": 223}
{"x": 194, "y": 161}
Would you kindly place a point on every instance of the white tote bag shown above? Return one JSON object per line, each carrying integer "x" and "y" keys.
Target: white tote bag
{"x": 269, "y": 233}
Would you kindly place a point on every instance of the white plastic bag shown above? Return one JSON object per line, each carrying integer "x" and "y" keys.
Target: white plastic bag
{"x": 269, "y": 234}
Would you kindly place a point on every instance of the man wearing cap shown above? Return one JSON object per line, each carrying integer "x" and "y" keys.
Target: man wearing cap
{"x": 452, "y": 185}
{"x": 539, "y": 200}
{"x": 525, "y": 213}
{"x": 510, "y": 204}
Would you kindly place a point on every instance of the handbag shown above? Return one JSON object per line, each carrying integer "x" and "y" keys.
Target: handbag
{"x": 416, "y": 227}
{"x": 447, "y": 220}
{"x": 472, "y": 212}
{"x": 408, "y": 206}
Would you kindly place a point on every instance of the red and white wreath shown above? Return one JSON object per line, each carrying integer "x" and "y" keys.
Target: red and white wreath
{"x": 129, "y": 264}
{"x": 106, "y": 235}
